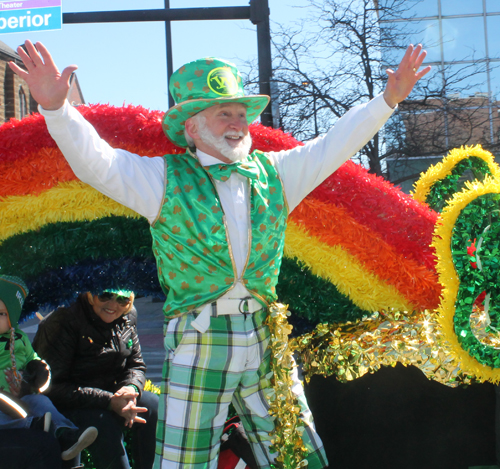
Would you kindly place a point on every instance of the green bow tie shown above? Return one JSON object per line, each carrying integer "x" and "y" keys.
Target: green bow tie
{"x": 222, "y": 172}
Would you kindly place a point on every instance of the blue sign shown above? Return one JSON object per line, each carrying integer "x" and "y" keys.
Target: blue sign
{"x": 30, "y": 15}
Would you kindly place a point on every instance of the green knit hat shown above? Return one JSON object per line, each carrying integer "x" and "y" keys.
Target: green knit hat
{"x": 203, "y": 83}
{"x": 13, "y": 292}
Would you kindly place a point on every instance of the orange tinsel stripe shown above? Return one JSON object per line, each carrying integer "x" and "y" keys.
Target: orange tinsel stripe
{"x": 34, "y": 173}
{"x": 334, "y": 226}
{"x": 40, "y": 171}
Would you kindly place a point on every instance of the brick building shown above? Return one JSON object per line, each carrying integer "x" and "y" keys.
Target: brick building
{"x": 15, "y": 97}
{"x": 442, "y": 124}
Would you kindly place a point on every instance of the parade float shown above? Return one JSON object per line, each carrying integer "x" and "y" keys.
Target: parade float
{"x": 372, "y": 277}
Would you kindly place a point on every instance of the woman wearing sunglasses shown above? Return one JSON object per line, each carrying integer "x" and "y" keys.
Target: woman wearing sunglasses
{"x": 98, "y": 375}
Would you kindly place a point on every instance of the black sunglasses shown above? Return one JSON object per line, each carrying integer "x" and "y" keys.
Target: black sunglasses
{"x": 107, "y": 296}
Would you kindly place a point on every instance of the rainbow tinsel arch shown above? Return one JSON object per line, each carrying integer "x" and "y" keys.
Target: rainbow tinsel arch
{"x": 371, "y": 275}
{"x": 355, "y": 245}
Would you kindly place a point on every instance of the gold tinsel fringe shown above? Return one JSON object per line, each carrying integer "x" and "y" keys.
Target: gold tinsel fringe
{"x": 284, "y": 407}
{"x": 351, "y": 350}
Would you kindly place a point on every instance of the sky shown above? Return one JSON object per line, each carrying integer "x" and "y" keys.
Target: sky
{"x": 125, "y": 63}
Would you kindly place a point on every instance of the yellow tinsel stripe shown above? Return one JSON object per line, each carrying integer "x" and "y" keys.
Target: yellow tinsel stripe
{"x": 449, "y": 279}
{"x": 336, "y": 265}
{"x": 444, "y": 168}
{"x": 68, "y": 201}
{"x": 76, "y": 201}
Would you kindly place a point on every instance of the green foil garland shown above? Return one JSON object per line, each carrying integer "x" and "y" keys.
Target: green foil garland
{"x": 312, "y": 297}
{"x": 64, "y": 244}
{"x": 479, "y": 219}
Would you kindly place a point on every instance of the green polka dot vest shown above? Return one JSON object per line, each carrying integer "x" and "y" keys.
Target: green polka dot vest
{"x": 190, "y": 241}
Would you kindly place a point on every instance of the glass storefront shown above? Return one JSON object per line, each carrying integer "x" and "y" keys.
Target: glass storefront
{"x": 462, "y": 38}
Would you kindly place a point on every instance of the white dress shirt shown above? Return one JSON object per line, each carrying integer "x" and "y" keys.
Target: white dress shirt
{"x": 139, "y": 182}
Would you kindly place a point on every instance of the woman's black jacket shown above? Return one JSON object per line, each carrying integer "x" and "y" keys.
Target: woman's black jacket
{"x": 90, "y": 360}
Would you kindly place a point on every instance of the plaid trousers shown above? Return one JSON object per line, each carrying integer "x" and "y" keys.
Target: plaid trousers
{"x": 202, "y": 375}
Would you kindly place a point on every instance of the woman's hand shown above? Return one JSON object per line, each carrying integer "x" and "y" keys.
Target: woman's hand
{"x": 124, "y": 403}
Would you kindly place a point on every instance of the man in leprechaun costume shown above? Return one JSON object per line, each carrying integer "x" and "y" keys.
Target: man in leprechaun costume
{"x": 218, "y": 216}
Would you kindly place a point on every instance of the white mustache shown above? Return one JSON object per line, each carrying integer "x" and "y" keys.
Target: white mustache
{"x": 233, "y": 134}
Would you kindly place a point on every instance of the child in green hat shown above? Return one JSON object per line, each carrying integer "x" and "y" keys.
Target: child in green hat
{"x": 24, "y": 376}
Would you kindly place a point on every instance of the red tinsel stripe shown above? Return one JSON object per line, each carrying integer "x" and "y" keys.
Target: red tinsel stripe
{"x": 21, "y": 137}
{"x": 401, "y": 221}
{"x": 267, "y": 139}
{"x": 31, "y": 163}
{"x": 334, "y": 226}
{"x": 130, "y": 126}
{"x": 122, "y": 127}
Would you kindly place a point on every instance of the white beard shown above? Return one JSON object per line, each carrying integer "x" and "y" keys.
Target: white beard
{"x": 220, "y": 143}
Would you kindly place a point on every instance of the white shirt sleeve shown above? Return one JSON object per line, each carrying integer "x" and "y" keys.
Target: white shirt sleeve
{"x": 305, "y": 167}
{"x": 134, "y": 181}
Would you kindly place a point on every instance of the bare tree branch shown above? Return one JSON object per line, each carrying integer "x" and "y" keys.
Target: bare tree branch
{"x": 336, "y": 57}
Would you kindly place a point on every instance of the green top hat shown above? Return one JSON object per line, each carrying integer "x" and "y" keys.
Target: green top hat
{"x": 13, "y": 292}
{"x": 203, "y": 83}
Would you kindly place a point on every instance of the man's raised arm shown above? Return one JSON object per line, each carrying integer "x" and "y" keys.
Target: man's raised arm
{"x": 306, "y": 167}
{"x": 131, "y": 180}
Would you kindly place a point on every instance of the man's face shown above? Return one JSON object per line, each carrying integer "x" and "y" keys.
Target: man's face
{"x": 222, "y": 132}
{"x": 4, "y": 318}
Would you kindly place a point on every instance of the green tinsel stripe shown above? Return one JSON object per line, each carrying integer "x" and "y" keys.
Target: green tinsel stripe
{"x": 444, "y": 189}
{"x": 67, "y": 243}
{"x": 312, "y": 297}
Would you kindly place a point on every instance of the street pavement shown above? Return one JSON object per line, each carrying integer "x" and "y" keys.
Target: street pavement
{"x": 150, "y": 327}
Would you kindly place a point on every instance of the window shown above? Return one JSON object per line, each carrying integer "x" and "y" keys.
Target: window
{"x": 411, "y": 8}
{"x": 493, "y": 24}
{"x": 463, "y": 38}
{"x": 424, "y": 8}
{"x": 466, "y": 79}
{"x": 492, "y": 6}
{"x": 23, "y": 106}
{"x": 461, "y": 7}
{"x": 426, "y": 32}
{"x": 495, "y": 80}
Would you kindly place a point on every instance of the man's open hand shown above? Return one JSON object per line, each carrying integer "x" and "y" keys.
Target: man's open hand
{"x": 47, "y": 85}
{"x": 402, "y": 81}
